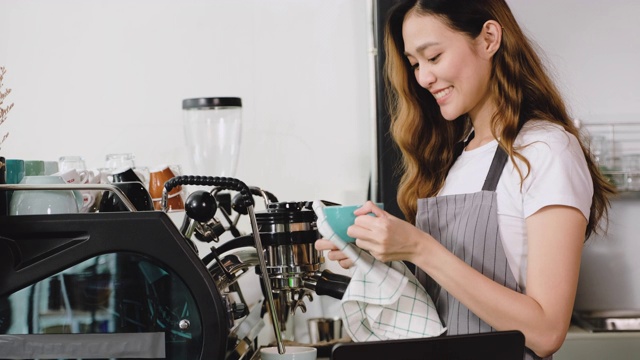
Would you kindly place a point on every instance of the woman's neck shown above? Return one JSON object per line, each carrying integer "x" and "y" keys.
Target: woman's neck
{"x": 481, "y": 121}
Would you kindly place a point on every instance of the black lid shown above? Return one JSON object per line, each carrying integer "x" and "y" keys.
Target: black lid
{"x": 285, "y": 213}
{"x": 203, "y": 103}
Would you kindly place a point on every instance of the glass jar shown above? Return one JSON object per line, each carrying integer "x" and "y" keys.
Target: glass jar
{"x": 212, "y": 128}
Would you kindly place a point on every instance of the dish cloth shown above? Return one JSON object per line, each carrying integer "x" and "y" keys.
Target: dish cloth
{"x": 383, "y": 301}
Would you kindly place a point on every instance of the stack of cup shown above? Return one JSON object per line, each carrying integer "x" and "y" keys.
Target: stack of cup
{"x": 132, "y": 186}
{"x": 158, "y": 176}
{"x": 73, "y": 171}
{"x": 13, "y": 175}
{"x": 34, "y": 202}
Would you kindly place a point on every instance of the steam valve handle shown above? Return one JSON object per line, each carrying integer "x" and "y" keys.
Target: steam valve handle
{"x": 201, "y": 206}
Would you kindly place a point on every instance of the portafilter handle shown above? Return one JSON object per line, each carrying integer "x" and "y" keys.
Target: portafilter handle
{"x": 226, "y": 183}
{"x": 327, "y": 283}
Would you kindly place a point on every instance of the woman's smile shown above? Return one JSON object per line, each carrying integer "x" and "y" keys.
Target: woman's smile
{"x": 442, "y": 95}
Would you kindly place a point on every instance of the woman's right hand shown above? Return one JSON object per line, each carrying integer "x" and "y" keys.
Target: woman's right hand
{"x": 333, "y": 253}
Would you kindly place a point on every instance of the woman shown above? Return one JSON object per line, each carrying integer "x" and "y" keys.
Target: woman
{"x": 501, "y": 190}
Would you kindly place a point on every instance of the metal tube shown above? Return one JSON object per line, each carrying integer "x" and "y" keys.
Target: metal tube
{"x": 265, "y": 281}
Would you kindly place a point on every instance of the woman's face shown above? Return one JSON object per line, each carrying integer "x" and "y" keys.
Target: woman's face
{"x": 449, "y": 65}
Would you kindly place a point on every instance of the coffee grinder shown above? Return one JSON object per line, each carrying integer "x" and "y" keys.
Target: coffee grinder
{"x": 212, "y": 129}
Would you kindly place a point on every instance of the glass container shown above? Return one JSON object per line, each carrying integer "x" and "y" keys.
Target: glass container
{"x": 212, "y": 128}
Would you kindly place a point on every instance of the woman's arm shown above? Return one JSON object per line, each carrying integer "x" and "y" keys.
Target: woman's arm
{"x": 555, "y": 237}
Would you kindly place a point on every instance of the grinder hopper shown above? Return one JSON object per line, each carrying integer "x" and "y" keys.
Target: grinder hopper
{"x": 212, "y": 128}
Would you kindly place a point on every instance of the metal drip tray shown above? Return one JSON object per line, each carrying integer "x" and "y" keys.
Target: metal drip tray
{"x": 608, "y": 321}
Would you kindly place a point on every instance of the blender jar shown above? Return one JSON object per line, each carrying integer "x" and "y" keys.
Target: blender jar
{"x": 212, "y": 128}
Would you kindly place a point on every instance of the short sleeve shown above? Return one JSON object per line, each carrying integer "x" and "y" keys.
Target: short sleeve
{"x": 558, "y": 175}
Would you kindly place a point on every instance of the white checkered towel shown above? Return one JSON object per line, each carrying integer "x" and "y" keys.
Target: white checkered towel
{"x": 383, "y": 300}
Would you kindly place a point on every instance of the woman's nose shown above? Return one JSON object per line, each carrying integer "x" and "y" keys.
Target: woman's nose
{"x": 425, "y": 77}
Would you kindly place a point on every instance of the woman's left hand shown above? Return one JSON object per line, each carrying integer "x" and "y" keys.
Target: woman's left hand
{"x": 385, "y": 236}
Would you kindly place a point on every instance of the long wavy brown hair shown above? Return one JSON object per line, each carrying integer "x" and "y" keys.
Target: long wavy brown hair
{"x": 519, "y": 84}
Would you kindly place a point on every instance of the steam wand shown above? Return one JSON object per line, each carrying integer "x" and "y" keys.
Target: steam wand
{"x": 265, "y": 282}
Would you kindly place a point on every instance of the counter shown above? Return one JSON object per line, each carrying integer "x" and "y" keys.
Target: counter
{"x": 585, "y": 345}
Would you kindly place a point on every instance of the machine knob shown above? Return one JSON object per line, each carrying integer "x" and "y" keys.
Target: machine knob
{"x": 239, "y": 205}
{"x": 201, "y": 206}
{"x": 184, "y": 324}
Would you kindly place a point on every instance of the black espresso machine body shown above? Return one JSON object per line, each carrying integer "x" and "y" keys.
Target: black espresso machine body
{"x": 130, "y": 280}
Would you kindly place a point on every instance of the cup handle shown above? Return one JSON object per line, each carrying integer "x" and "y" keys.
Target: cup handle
{"x": 86, "y": 176}
{"x": 87, "y": 201}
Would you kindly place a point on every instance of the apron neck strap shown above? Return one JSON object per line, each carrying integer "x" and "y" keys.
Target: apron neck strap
{"x": 497, "y": 165}
{"x": 459, "y": 147}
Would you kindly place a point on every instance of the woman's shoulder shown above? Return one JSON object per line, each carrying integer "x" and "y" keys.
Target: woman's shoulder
{"x": 543, "y": 135}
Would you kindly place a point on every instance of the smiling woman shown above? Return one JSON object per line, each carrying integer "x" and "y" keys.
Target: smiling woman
{"x": 497, "y": 188}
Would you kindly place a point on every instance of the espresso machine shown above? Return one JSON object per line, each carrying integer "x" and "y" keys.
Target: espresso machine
{"x": 132, "y": 284}
{"x": 280, "y": 248}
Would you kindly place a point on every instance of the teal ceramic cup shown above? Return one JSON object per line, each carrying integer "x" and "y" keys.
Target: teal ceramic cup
{"x": 33, "y": 168}
{"x": 341, "y": 217}
{"x": 15, "y": 171}
{"x": 50, "y": 167}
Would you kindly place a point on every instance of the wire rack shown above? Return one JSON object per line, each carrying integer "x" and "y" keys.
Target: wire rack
{"x": 616, "y": 148}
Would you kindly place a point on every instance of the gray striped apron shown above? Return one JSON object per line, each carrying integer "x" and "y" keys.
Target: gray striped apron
{"x": 467, "y": 225}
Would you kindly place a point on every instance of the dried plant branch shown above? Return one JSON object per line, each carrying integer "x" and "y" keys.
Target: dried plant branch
{"x": 4, "y": 94}
{"x": 4, "y": 111}
{"x": 3, "y": 139}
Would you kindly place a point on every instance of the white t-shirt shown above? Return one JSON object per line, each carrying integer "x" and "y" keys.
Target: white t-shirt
{"x": 558, "y": 176}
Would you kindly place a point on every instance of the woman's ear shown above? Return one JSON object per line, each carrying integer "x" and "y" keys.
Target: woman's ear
{"x": 490, "y": 37}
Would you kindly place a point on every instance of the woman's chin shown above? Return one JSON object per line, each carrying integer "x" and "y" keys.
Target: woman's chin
{"x": 450, "y": 116}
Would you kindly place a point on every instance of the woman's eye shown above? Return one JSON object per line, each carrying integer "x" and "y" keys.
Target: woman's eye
{"x": 415, "y": 66}
{"x": 435, "y": 58}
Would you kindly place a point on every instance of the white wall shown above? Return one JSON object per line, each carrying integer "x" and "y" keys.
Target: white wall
{"x": 108, "y": 76}
{"x": 593, "y": 48}
{"x": 92, "y": 77}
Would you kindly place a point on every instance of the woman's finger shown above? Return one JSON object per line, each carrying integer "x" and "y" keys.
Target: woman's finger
{"x": 324, "y": 244}
{"x": 369, "y": 208}
{"x": 345, "y": 263}
{"x": 336, "y": 255}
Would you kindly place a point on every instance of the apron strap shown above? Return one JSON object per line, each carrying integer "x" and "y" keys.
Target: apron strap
{"x": 459, "y": 147}
{"x": 497, "y": 165}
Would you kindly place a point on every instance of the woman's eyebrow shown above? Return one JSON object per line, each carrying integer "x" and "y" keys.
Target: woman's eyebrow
{"x": 422, "y": 47}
